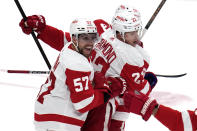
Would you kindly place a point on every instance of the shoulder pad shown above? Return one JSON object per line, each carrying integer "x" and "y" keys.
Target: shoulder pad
{"x": 73, "y": 60}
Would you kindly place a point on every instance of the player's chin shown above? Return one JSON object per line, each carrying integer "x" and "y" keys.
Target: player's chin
{"x": 87, "y": 52}
{"x": 132, "y": 44}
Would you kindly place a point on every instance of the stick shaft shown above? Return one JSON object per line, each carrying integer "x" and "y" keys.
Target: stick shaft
{"x": 34, "y": 36}
{"x": 152, "y": 18}
{"x": 155, "y": 14}
{"x": 25, "y": 71}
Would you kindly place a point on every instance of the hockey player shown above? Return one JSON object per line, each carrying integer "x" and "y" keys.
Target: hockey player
{"x": 118, "y": 54}
{"x": 174, "y": 120}
{"x": 65, "y": 99}
{"x": 122, "y": 54}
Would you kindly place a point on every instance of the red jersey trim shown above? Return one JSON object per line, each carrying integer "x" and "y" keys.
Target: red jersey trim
{"x": 58, "y": 118}
{"x": 68, "y": 38}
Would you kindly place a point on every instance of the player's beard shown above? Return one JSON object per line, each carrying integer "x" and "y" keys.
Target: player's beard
{"x": 132, "y": 43}
{"x": 85, "y": 52}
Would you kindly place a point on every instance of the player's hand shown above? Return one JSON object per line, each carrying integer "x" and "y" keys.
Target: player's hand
{"x": 100, "y": 83}
{"x": 33, "y": 23}
{"x": 151, "y": 78}
{"x": 117, "y": 85}
{"x": 140, "y": 104}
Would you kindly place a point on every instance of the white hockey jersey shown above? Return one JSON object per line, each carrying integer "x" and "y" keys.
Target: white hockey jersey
{"x": 118, "y": 59}
{"x": 67, "y": 96}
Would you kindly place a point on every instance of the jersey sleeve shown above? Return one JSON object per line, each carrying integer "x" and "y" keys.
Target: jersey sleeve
{"x": 82, "y": 94}
{"x": 175, "y": 120}
{"x": 54, "y": 37}
{"x": 134, "y": 77}
{"x": 101, "y": 26}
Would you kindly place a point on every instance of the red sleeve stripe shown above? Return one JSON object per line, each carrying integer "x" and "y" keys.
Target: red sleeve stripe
{"x": 186, "y": 121}
{"x": 82, "y": 104}
{"x": 58, "y": 118}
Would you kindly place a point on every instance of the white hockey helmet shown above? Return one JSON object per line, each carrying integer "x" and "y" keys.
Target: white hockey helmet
{"x": 80, "y": 26}
{"x": 126, "y": 19}
{"x": 124, "y": 8}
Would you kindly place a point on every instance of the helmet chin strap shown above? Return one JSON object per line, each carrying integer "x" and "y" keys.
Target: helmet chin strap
{"x": 76, "y": 46}
{"x": 140, "y": 33}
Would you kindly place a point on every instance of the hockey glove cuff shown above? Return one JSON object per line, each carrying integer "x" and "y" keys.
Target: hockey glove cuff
{"x": 139, "y": 104}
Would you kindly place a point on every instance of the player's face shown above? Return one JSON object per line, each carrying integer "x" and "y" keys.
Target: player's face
{"x": 86, "y": 43}
{"x": 131, "y": 38}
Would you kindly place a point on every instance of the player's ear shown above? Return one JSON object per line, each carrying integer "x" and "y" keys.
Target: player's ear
{"x": 74, "y": 39}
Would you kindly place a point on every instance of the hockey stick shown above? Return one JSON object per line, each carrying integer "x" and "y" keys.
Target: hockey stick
{"x": 171, "y": 76}
{"x": 147, "y": 27}
{"x": 34, "y": 36}
{"x": 153, "y": 18}
{"x": 25, "y": 71}
{"x": 47, "y": 72}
